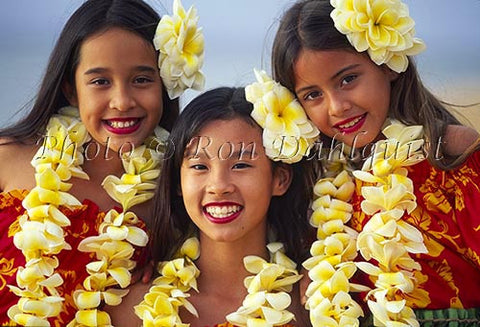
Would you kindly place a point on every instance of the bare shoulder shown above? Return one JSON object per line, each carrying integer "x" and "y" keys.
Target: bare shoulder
{"x": 15, "y": 169}
{"x": 459, "y": 138}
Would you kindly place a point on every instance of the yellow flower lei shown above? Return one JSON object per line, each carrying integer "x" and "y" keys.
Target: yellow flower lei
{"x": 41, "y": 236}
{"x": 386, "y": 238}
{"x": 265, "y": 305}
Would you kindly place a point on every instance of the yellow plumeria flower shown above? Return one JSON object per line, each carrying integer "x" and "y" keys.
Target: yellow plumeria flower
{"x": 181, "y": 44}
{"x": 288, "y": 135}
{"x": 381, "y": 27}
{"x": 340, "y": 311}
{"x": 263, "y": 309}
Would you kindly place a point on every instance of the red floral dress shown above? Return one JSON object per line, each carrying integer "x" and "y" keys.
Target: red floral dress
{"x": 448, "y": 215}
{"x": 85, "y": 220}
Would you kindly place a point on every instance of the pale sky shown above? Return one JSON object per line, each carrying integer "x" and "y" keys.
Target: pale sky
{"x": 238, "y": 37}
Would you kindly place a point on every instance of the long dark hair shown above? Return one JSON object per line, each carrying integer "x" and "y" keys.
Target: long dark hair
{"x": 308, "y": 25}
{"x": 287, "y": 214}
{"x": 92, "y": 17}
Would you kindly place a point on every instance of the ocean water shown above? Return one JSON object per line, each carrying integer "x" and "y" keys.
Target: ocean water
{"x": 238, "y": 37}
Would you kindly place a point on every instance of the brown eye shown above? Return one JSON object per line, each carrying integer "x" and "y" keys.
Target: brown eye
{"x": 100, "y": 81}
{"x": 348, "y": 79}
{"x": 312, "y": 95}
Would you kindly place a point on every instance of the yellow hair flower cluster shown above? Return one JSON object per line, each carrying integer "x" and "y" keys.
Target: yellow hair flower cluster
{"x": 181, "y": 45}
{"x": 288, "y": 135}
{"x": 41, "y": 235}
{"x": 113, "y": 247}
{"x": 268, "y": 290}
{"x": 381, "y": 27}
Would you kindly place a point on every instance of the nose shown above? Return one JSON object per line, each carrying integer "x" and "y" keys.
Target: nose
{"x": 338, "y": 103}
{"x": 220, "y": 182}
{"x": 122, "y": 98}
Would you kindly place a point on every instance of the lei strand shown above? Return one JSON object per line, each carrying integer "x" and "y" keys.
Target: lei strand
{"x": 41, "y": 236}
{"x": 266, "y": 303}
{"x": 180, "y": 44}
{"x": 386, "y": 238}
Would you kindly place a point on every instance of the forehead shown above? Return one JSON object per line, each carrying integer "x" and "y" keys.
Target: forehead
{"x": 234, "y": 134}
{"x": 116, "y": 46}
{"x": 328, "y": 62}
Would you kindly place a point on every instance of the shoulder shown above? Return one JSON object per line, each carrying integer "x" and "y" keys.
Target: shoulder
{"x": 15, "y": 164}
{"x": 458, "y": 139}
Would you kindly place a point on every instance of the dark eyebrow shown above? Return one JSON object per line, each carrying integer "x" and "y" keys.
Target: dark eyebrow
{"x": 343, "y": 70}
{"x": 100, "y": 70}
{"x": 340, "y": 72}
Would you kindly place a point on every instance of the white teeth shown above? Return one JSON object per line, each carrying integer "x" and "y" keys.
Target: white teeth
{"x": 121, "y": 124}
{"x": 351, "y": 123}
{"x": 222, "y": 211}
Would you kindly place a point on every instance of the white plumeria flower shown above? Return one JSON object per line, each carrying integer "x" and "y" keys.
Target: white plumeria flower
{"x": 181, "y": 46}
{"x": 381, "y": 27}
{"x": 288, "y": 134}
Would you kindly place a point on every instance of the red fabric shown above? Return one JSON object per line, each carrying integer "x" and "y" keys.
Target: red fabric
{"x": 448, "y": 215}
{"x": 84, "y": 219}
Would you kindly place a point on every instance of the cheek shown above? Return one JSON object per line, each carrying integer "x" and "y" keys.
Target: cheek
{"x": 318, "y": 117}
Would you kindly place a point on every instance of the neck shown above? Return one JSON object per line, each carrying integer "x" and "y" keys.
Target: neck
{"x": 101, "y": 161}
{"x": 221, "y": 264}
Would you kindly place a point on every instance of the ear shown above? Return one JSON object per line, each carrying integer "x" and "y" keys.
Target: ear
{"x": 70, "y": 93}
{"x": 282, "y": 178}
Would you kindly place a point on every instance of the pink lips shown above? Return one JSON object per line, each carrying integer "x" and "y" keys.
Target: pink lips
{"x": 112, "y": 125}
{"x": 359, "y": 121}
{"x": 223, "y": 220}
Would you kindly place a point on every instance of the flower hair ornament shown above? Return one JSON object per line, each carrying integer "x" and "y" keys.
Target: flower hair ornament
{"x": 288, "y": 134}
{"x": 383, "y": 28}
{"x": 181, "y": 46}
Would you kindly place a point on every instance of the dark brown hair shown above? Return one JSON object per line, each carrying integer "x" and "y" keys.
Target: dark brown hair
{"x": 94, "y": 16}
{"x": 287, "y": 214}
{"x": 308, "y": 25}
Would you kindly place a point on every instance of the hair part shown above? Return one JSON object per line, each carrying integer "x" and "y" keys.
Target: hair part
{"x": 308, "y": 25}
{"x": 92, "y": 17}
{"x": 287, "y": 214}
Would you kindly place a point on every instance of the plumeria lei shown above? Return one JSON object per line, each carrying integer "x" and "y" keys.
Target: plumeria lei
{"x": 386, "y": 241}
{"x": 41, "y": 236}
{"x": 181, "y": 46}
{"x": 288, "y": 134}
{"x": 383, "y": 28}
{"x": 265, "y": 305}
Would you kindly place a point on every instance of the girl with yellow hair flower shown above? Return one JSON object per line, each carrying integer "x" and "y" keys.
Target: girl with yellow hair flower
{"x": 396, "y": 205}
{"x": 229, "y": 228}
{"x": 95, "y": 137}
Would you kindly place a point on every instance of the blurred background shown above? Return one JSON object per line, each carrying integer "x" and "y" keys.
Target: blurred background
{"x": 238, "y": 38}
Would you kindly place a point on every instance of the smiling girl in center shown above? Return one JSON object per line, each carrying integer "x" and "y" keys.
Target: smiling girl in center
{"x": 221, "y": 187}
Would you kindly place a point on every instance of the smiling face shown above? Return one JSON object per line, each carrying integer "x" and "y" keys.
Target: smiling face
{"x": 345, "y": 94}
{"x": 227, "y": 187}
{"x": 118, "y": 89}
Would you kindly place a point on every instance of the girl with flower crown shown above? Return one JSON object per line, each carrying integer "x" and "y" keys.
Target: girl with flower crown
{"x": 397, "y": 202}
{"x": 95, "y": 135}
{"x": 219, "y": 202}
